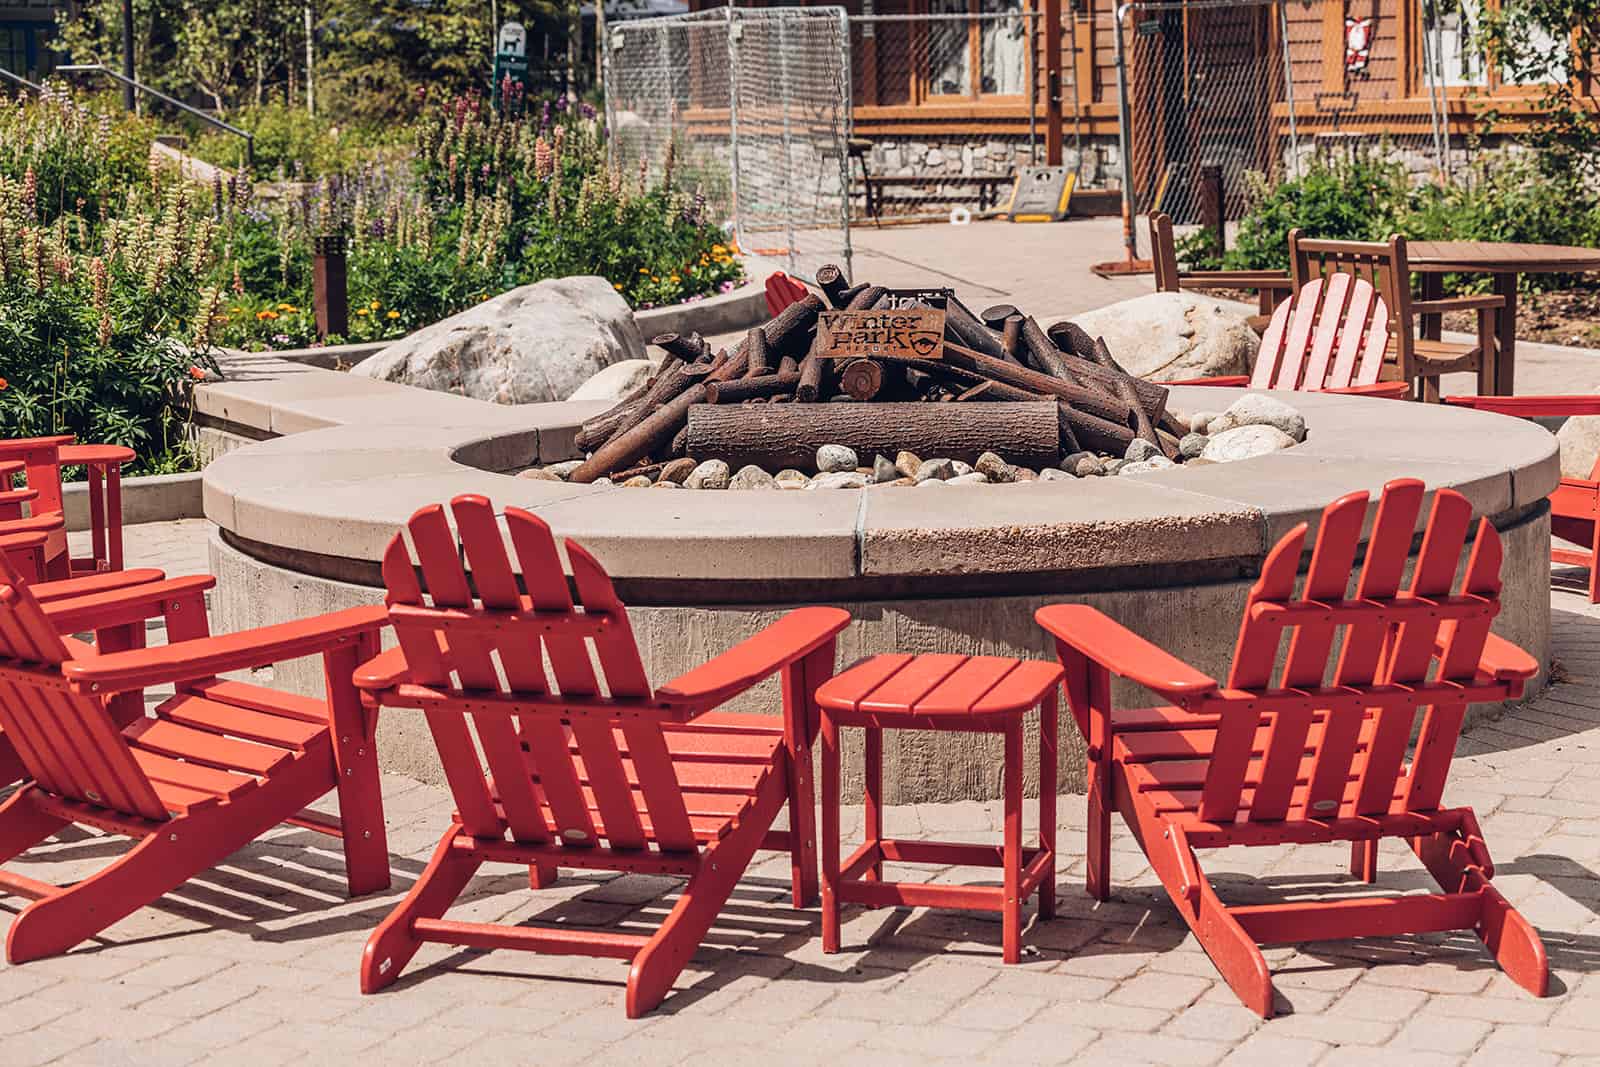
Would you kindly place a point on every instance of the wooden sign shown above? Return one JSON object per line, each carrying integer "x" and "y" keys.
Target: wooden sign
{"x": 883, "y": 333}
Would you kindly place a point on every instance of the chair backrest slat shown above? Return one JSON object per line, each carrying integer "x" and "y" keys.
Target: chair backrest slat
{"x": 1326, "y": 580}
{"x": 1330, "y": 335}
{"x": 1308, "y": 728}
{"x": 1463, "y": 646}
{"x": 1385, "y": 267}
{"x": 67, "y": 741}
{"x": 1272, "y": 352}
{"x": 1413, "y": 648}
{"x": 1331, "y": 321}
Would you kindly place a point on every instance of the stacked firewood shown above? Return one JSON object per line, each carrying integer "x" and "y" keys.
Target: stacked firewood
{"x": 995, "y": 381}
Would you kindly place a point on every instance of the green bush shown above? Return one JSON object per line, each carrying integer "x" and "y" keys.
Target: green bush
{"x": 106, "y": 328}
{"x": 1505, "y": 196}
{"x": 292, "y": 145}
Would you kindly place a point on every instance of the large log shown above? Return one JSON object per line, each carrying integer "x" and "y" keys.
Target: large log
{"x": 1141, "y": 421}
{"x": 758, "y": 357}
{"x": 787, "y": 435}
{"x": 672, "y": 377}
{"x": 789, "y": 333}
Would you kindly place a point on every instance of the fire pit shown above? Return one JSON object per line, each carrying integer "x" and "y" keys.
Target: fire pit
{"x": 900, "y": 388}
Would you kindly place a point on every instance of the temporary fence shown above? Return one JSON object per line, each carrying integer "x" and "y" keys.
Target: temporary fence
{"x": 748, "y": 110}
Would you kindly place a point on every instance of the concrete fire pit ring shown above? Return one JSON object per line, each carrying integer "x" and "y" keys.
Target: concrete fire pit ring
{"x": 302, "y": 521}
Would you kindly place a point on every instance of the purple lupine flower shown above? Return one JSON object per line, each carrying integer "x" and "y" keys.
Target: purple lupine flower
{"x": 586, "y": 109}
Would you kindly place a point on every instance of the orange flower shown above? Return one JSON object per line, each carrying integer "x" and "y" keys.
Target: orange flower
{"x": 197, "y": 374}
{"x": 3, "y": 384}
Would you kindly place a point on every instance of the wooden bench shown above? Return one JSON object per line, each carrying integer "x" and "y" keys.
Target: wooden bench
{"x": 878, "y": 190}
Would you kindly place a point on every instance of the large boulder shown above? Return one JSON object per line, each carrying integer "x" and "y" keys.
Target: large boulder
{"x": 616, "y": 381}
{"x": 1580, "y": 445}
{"x": 533, "y": 344}
{"x": 1172, "y": 336}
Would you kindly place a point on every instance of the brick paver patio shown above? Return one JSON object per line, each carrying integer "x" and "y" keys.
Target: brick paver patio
{"x": 255, "y": 962}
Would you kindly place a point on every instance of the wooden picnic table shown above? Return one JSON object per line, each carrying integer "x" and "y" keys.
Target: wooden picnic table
{"x": 1503, "y": 261}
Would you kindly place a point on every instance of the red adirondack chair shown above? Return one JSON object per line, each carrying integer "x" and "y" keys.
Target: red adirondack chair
{"x": 592, "y": 772}
{"x": 1575, "y": 505}
{"x": 41, "y": 459}
{"x": 1329, "y": 337}
{"x": 219, "y": 764}
{"x": 1303, "y": 758}
{"x": 782, "y": 291}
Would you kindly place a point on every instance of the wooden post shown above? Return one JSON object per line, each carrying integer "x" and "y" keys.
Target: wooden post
{"x": 1052, "y": 82}
{"x": 1212, "y": 215}
{"x": 330, "y": 285}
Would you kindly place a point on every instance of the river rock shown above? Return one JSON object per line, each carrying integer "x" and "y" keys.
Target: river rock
{"x": 970, "y": 478}
{"x": 1192, "y": 445}
{"x": 1242, "y": 442}
{"x": 839, "y": 480}
{"x": 1258, "y": 409}
{"x": 1145, "y": 466}
{"x": 638, "y": 481}
{"x": 752, "y": 477}
{"x": 833, "y": 459}
{"x": 677, "y": 470}
{"x": 533, "y": 344}
{"x": 1050, "y": 474}
{"x": 934, "y": 469}
{"x": 960, "y": 468}
{"x": 907, "y": 463}
{"x": 995, "y": 468}
{"x": 1172, "y": 336}
{"x": 564, "y": 469}
{"x": 539, "y": 474}
{"x": 662, "y": 483}
{"x": 1088, "y": 467}
{"x": 616, "y": 381}
{"x": 883, "y": 471}
{"x": 1140, "y": 450}
{"x": 1201, "y": 419}
{"x": 712, "y": 474}
{"x": 791, "y": 479}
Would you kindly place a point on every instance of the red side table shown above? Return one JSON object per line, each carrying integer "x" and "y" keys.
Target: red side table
{"x": 104, "y": 463}
{"x": 975, "y": 694}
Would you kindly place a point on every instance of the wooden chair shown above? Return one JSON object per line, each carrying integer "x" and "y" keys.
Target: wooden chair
{"x": 220, "y": 763}
{"x": 1383, "y": 265}
{"x": 1330, "y": 337}
{"x": 782, "y": 291}
{"x": 41, "y": 460}
{"x": 1272, "y": 287}
{"x": 590, "y": 771}
{"x": 1575, "y": 505}
{"x": 1302, "y": 758}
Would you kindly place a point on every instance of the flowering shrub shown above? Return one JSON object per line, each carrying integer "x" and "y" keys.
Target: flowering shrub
{"x": 80, "y": 159}
{"x": 107, "y": 326}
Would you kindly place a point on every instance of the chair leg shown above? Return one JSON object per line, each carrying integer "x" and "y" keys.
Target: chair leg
{"x": 660, "y": 962}
{"x": 830, "y": 835}
{"x": 1011, "y": 856}
{"x": 1364, "y": 861}
{"x": 1235, "y": 953}
{"x": 1049, "y": 726}
{"x": 1510, "y": 938}
{"x": 23, "y": 825}
{"x": 155, "y": 866}
{"x": 392, "y": 944}
{"x": 542, "y": 875}
{"x": 1430, "y": 389}
{"x": 1594, "y": 564}
{"x": 355, "y": 755}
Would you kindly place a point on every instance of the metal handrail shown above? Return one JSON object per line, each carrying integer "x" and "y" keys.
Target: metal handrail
{"x": 20, "y": 80}
{"x": 100, "y": 68}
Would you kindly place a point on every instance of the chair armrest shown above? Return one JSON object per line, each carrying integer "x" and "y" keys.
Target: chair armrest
{"x": 49, "y": 522}
{"x": 47, "y": 592}
{"x": 26, "y": 446}
{"x": 206, "y": 656}
{"x": 17, "y": 497}
{"x": 1234, "y": 380}
{"x": 1486, "y": 302}
{"x": 116, "y": 607}
{"x": 1501, "y": 660}
{"x": 1530, "y": 407}
{"x": 786, "y": 641}
{"x": 384, "y": 671}
{"x": 1123, "y": 652}
{"x": 31, "y": 539}
{"x": 1388, "y": 390}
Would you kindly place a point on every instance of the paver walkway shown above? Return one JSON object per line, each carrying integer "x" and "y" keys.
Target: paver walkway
{"x": 256, "y": 962}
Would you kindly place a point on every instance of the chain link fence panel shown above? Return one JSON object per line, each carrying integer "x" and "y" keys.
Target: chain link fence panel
{"x": 748, "y": 108}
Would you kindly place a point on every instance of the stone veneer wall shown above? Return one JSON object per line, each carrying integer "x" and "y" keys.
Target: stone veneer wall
{"x": 935, "y": 157}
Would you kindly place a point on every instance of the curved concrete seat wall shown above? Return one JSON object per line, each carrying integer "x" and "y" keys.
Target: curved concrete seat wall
{"x": 302, "y": 521}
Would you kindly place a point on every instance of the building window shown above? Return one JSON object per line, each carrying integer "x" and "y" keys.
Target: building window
{"x": 993, "y": 47}
{"x": 14, "y": 49}
{"x": 1454, "y": 48}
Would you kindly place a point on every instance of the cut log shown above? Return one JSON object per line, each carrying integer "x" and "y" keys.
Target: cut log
{"x": 862, "y": 378}
{"x": 1045, "y": 356}
{"x": 673, "y": 377}
{"x": 1092, "y": 432}
{"x": 866, "y": 298}
{"x": 971, "y": 333}
{"x": 776, "y": 436}
{"x": 1011, "y": 338}
{"x": 768, "y": 385}
{"x": 759, "y": 357}
{"x": 830, "y": 279}
{"x": 788, "y": 365}
{"x": 809, "y": 391}
{"x": 1090, "y": 401}
{"x": 788, "y": 334}
{"x": 1122, "y": 383}
{"x": 688, "y": 348}
{"x": 1070, "y": 337}
{"x": 977, "y": 392}
{"x": 995, "y": 315}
